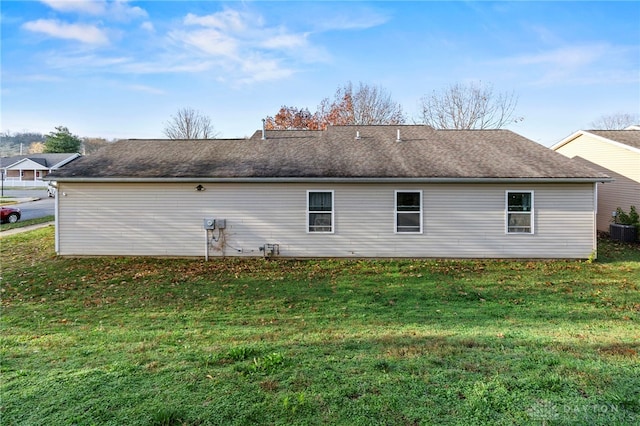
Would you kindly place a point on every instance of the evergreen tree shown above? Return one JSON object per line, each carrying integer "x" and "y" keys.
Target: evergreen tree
{"x": 62, "y": 141}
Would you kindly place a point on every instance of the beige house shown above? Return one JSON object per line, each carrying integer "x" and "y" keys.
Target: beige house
{"x": 615, "y": 153}
{"x": 349, "y": 191}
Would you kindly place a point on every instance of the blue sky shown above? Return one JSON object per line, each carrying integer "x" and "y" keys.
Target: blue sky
{"x": 120, "y": 69}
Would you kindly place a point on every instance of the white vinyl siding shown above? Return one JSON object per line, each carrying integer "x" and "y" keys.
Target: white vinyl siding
{"x": 408, "y": 212}
{"x": 464, "y": 220}
{"x": 616, "y": 161}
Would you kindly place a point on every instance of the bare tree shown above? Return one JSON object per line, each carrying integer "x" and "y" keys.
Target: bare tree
{"x": 373, "y": 105}
{"x": 617, "y": 121}
{"x": 472, "y": 106}
{"x": 189, "y": 124}
{"x": 366, "y": 105}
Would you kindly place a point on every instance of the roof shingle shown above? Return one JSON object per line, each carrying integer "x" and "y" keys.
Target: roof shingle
{"x": 627, "y": 137}
{"x": 45, "y": 160}
{"x": 422, "y": 152}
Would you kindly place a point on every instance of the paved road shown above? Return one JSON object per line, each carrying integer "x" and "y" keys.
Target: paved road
{"x": 33, "y": 209}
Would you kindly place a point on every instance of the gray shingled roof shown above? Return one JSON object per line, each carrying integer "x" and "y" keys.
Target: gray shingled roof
{"x": 45, "y": 160}
{"x": 422, "y": 153}
{"x": 627, "y": 137}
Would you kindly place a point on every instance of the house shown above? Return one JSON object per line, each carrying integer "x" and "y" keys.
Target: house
{"x": 349, "y": 191}
{"x": 615, "y": 153}
{"x": 29, "y": 170}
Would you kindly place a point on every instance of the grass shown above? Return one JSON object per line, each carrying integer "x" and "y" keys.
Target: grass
{"x": 28, "y": 222}
{"x": 136, "y": 341}
{"x": 6, "y": 201}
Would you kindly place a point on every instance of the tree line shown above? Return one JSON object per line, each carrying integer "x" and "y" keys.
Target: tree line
{"x": 61, "y": 140}
{"x": 459, "y": 106}
{"x": 472, "y": 106}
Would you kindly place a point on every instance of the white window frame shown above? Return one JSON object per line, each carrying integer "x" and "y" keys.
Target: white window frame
{"x": 531, "y": 212}
{"x": 332, "y": 212}
{"x": 396, "y": 212}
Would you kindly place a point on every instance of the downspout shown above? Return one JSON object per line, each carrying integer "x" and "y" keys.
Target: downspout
{"x": 206, "y": 245}
{"x": 56, "y": 221}
{"x": 595, "y": 220}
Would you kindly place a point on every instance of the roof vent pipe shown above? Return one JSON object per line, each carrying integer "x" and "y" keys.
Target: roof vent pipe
{"x": 398, "y": 136}
{"x": 264, "y": 133}
{"x": 357, "y": 134}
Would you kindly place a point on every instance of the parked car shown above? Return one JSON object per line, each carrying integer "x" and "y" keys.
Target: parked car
{"x": 9, "y": 214}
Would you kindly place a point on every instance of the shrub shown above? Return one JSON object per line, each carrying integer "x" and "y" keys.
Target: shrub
{"x": 631, "y": 218}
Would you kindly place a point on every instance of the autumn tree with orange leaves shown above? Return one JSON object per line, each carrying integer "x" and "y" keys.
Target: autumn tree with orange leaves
{"x": 292, "y": 118}
{"x": 365, "y": 105}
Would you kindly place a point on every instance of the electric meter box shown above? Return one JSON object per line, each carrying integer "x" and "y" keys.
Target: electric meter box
{"x": 209, "y": 223}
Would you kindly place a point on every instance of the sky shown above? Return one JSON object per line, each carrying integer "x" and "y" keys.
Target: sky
{"x": 122, "y": 69}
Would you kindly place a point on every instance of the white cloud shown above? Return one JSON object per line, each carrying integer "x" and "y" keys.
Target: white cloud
{"x": 257, "y": 69}
{"x": 234, "y": 45}
{"x": 91, "y": 7}
{"x": 88, "y": 34}
{"x": 285, "y": 41}
{"x": 241, "y": 45}
{"x": 168, "y": 65}
{"x": 228, "y": 20}
{"x": 564, "y": 57}
{"x": 353, "y": 19}
{"x": 576, "y": 65}
{"x": 117, "y": 9}
{"x": 148, "y": 26}
{"x": 208, "y": 41}
{"x": 82, "y": 62}
{"x": 121, "y": 10}
{"x": 34, "y": 78}
{"x": 146, "y": 89}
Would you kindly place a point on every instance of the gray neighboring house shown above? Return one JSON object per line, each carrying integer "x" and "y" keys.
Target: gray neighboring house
{"x": 29, "y": 170}
{"x": 348, "y": 191}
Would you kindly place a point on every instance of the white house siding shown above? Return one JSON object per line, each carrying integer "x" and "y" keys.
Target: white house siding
{"x": 460, "y": 220}
{"x": 620, "y": 163}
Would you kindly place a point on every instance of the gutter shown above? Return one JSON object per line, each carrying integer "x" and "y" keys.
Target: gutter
{"x": 326, "y": 180}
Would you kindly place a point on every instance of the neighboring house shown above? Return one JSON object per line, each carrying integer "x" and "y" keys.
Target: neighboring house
{"x": 616, "y": 153}
{"x": 349, "y": 191}
{"x": 29, "y": 170}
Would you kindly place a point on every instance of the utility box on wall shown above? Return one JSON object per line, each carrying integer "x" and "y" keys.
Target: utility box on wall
{"x": 209, "y": 223}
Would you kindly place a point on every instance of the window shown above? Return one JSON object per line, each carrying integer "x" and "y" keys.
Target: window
{"x": 320, "y": 211}
{"x": 519, "y": 212}
{"x": 409, "y": 211}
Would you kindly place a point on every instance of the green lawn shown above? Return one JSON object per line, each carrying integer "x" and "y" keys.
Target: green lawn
{"x": 28, "y": 222}
{"x": 116, "y": 341}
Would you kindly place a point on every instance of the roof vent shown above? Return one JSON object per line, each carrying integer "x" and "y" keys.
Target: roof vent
{"x": 357, "y": 135}
{"x": 264, "y": 132}
{"x": 398, "y": 136}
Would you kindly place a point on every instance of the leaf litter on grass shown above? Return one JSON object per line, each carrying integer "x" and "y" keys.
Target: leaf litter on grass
{"x": 317, "y": 341}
